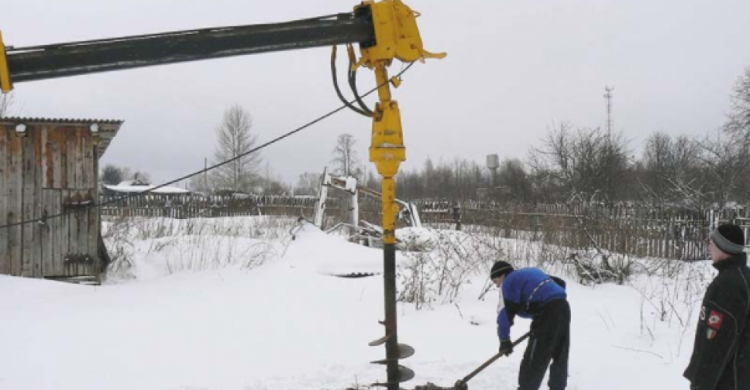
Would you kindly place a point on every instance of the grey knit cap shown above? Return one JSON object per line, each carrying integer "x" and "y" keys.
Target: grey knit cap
{"x": 725, "y": 245}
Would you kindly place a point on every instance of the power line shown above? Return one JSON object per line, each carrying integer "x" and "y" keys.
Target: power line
{"x": 44, "y": 219}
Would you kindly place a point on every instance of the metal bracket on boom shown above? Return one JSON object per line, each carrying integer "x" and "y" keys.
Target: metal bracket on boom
{"x": 396, "y": 34}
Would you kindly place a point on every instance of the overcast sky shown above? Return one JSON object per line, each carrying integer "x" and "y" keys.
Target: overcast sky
{"x": 514, "y": 69}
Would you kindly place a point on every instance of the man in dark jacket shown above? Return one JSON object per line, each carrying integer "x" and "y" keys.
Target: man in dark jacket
{"x": 721, "y": 356}
{"x": 530, "y": 293}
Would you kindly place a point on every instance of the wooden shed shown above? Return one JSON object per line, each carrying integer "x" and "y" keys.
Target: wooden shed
{"x": 50, "y": 167}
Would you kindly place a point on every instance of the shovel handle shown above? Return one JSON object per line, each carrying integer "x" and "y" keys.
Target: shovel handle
{"x": 492, "y": 359}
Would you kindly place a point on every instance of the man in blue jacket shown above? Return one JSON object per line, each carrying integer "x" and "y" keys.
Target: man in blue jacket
{"x": 530, "y": 293}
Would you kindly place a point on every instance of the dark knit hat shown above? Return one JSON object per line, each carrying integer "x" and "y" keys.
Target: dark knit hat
{"x": 729, "y": 239}
{"x": 500, "y": 268}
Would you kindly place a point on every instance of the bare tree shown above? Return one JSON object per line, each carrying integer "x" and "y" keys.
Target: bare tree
{"x": 726, "y": 164}
{"x": 308, "y": 184}
{"x": 513, "y": 176}
{"x": 739, "y": 119}
{"x": 276, "y": 186}
{"x": 200, "y": 183}
{"x": 234, "y": 139}
{"x": 372, "y": 181}
{"x": 587, "y": 162}
{"x": 345, "y": 157}
{"x": 112, "y": 175}
{"x": 141, "y": 177}
{"x": 671, "y": 169}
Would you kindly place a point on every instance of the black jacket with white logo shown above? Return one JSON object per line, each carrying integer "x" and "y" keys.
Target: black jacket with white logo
{"x": 721, "y": 356}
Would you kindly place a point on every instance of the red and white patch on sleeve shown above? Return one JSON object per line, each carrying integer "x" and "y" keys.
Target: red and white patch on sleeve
{"x": 715, "y": 320}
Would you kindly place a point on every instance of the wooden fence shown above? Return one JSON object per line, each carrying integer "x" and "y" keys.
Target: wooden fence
{"x": 212, "y": 206}
{"x": 638, "y": 230}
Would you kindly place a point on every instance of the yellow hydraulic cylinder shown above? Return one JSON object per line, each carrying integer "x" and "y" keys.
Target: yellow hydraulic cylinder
{"x": 5, "y": 84}
{"x": 387, "y": 150}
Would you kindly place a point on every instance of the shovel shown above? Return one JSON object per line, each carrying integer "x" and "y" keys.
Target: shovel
{"x": 461, "y": 384}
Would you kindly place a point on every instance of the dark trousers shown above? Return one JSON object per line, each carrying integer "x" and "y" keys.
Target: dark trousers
{"x": 549, "y": 342}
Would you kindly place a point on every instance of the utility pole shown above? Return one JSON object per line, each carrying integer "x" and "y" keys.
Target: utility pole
{"x": 608, "y": 95}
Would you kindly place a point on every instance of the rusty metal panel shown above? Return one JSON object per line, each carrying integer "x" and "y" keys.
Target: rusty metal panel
{"x": 48, "y": 159}
{"x": 71, "y": 161}
{"x": 57, "y": 142}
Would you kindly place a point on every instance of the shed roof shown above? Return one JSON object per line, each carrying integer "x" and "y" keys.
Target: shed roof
{"x": 108, "y": 128}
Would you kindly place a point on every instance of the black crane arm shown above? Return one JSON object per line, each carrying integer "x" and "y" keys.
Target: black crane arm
{"x": 103, "y": 55}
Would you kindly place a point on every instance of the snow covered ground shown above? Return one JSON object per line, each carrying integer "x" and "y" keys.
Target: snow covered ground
{"x": 181, "y": 316}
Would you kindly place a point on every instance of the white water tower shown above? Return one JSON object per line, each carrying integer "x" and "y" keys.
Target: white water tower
{"x": 493, "y": 162}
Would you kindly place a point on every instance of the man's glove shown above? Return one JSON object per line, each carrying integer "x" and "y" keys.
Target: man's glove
{"x": 506, "y": 347}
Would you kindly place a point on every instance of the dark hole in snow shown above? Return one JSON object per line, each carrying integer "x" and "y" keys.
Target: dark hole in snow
{"x": 428, "y": 386}
{"x": 356, "y": 275}
{"x": 432, "y": 386}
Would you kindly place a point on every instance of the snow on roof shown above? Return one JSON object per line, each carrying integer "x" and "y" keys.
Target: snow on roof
{"x": 60, "y": 120}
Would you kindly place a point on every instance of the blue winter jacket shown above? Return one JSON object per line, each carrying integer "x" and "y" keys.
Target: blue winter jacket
{"x": 525, "y": 291}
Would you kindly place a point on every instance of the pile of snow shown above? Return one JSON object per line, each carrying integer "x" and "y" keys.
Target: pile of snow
{"x": 147, "y": 248}
{"x": 417, "y": 239}
{"x": 288, "y": 324}
{"x": 332, "y": 254}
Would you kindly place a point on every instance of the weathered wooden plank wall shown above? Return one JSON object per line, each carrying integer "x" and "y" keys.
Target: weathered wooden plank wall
{"x": 47, "y": 171}
{"x": 4, "y": 204}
